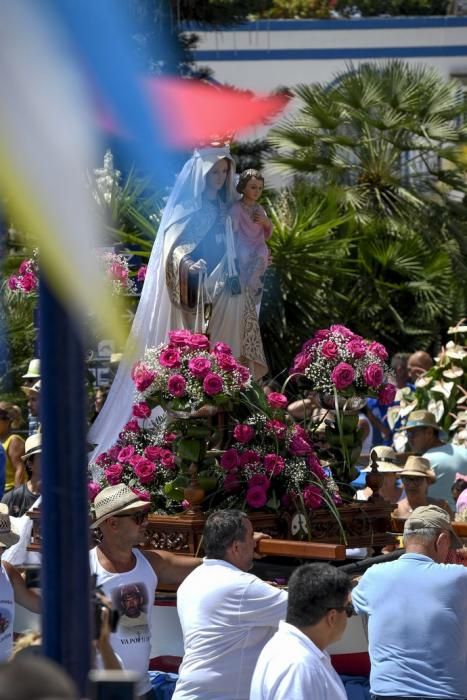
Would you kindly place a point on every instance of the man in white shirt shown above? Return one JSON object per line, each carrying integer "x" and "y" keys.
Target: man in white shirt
{"x": 294, "y": 664}
{"x": 227, "y": 615}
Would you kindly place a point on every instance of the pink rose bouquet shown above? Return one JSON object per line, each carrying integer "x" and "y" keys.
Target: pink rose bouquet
{"x": 143, "y": 459}
{"x": 117, "y": 271}
{"x": 26, "y": 281}
{"x": 186, "y": 373}
{"x": 272, "y": 459}
{"x": 336, "y": 359}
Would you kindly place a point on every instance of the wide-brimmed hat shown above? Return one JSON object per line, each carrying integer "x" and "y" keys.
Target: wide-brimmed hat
{"x": 114, "y": 500}
{"x": 418, "y": 466}
{"x": 8, "y": 534}
{"x": 386, "y": 459}
{"x": 32, "y": 446}
{"x": 431, "y": 516}
{"x": 34, "y": 389}
{"x": 34, "y": 370}
{"x": 420, "y": 419}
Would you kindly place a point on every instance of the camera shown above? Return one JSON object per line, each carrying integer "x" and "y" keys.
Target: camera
{"x": 99, "y": 603}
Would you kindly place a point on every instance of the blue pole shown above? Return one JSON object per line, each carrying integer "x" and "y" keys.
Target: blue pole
{"x": 64, "y": 510}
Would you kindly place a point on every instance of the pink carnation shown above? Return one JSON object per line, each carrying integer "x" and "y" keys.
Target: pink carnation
{"x": 131, "y": 427}
{"x": 329, "y": 350}
{"x": 142, "y": 495}
{"x": 141, "y": 410}
{"x": 277, "y": 427}
{"x": 199, "y": 366}
{"x": 342, "y": 330}
{"x": 114, "y": 452}
{"x": 256, "y": 497}
{"x": 126, "y": 453}
{"x": 28, "y": 282}
{"x": 13, "y": 283}
{"x": 169, "y": 438}
{"x": 259, "y": 480}
{"x": 25, "y": 267}
{"x": 198, "y": 341}
{"x": 277, "y": 400}
{"x": 243, "y": 433}
{"x": 168, "y": 459}
{"x": 141, "y": 276}
{"x": 180, "y": 338}
{"x": 222, "y": 348}
{"x": 299, "y": 446}
{"x": 93, "y": 490}
{"x": 244, "y": 374}
{"x": 373, "y": 375}
{"x": 142, "y": 376}
{"x": 356, "y": 347}
{"x": 153, "y": 452}
{"x": 315, "y": 466}
{"x": 145, "y": 470}
{"x": 229, "y": 459}
{"x": 113, "y": 474}
{"x": 320, "y": 335}
{"x": 387, "y": 394}
{"x": 378, "y": 350}
{"x": 118, "y": 272}
{"x": 274, "y": 464}
{"x": 226, "y": 362}
{"x": 177, "y": 385}
{"x": 170, "y": 357}
{"x": 342, "y": 375}
{"x": 212, "y": 384}
{"x": 249, "y": 457}
{"x": 312, "y": 497}
{"x": 301, "y": 362}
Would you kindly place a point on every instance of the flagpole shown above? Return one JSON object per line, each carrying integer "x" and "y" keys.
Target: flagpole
{"x": 64, "y": 510}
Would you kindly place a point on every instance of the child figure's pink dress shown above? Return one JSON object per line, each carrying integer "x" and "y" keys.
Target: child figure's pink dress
{"x": 252, "y": 251}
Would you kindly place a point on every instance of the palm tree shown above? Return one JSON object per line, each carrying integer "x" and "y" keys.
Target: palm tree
{"x": 389, "y": 135}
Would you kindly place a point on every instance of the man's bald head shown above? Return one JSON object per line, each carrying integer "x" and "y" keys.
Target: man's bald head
{"x": 418, "y": 363}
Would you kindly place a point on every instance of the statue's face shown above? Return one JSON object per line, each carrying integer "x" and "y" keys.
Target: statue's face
{"x": 253, "y": 189}
{"x": 216, "y": 177}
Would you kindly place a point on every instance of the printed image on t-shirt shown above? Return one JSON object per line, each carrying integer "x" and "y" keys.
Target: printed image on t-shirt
{"x": 5, "y": 620}
{"x": 131, "y": 601}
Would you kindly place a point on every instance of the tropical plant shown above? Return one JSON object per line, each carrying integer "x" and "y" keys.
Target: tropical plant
{"x": 389, "y": 135}
{"x": 294, "y": 9}
{"x": 394, "y": 7}
{"x": 308, "y": 253}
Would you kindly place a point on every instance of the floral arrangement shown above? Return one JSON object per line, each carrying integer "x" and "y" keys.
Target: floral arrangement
{"x": 273, "y": 464}
{"x": 187, "y": 373}
{"x": 142, "y": 458}
{"x": 118, "y": 272}
{"x": 338, "y": 360}
{"x": 26, "y": 280}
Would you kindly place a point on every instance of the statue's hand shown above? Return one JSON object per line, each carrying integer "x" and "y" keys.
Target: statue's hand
{"x": 199, "y": 266}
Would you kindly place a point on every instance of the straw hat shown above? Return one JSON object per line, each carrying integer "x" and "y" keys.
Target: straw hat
{"x": 386, "y": 459}
{"x": 420, "y": 419}
{"x": 34, "y": 370}
{"x": 34, "y": 389}
{"x": 8, "y": 534}
{"x": 431, "y": 516}
{"x": 32, "y": 446}
{"x": 114, "y": 500}
{"x": 418, "y": 466}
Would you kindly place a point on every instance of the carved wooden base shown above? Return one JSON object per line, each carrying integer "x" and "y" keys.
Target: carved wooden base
{"x": 365, "y": 525}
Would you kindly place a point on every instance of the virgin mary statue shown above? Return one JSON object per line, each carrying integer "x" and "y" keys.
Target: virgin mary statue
{"x": 192, "y": 282}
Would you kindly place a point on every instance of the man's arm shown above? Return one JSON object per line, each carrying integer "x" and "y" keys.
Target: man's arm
{"x": 171, "y": 568}
{"x": 23, "y": 595}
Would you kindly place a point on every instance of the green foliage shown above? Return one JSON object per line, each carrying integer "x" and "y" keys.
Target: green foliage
{"x": 307, "y": 255}
{"x": 297, "y": 9}
{"x": 370, "y": 8}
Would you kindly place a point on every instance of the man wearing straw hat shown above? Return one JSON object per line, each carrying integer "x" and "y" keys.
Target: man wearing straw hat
{"x": 428, "y": 440}
{"x": 33, "y": 393}
{"x": 121, "y": 567}
{"x": 31, "y": 377}
{"x": 12, "y": 588}
{"x": 417, "y": 478}
{"x": 417, "y": 615}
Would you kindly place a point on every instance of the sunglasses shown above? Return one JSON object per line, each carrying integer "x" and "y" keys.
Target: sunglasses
{"x": 138, "y": 517}
{"x": 348, "y": 609}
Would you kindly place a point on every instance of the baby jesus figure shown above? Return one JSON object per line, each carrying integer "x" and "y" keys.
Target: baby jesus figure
{"x": 252, "y": 228}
